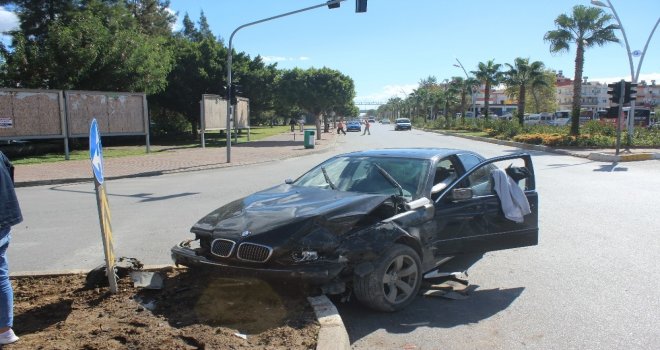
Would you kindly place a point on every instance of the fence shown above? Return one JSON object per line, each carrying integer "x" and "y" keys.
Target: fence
{"x": 50, "y": 114}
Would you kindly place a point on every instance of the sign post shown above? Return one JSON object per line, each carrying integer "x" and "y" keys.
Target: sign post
{"x": 96, "y": 156}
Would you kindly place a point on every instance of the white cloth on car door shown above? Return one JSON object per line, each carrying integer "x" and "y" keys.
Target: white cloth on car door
{"x": 512, "y": 198}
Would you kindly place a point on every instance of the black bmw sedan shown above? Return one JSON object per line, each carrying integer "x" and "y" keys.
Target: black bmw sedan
{"x": 373, "y": 222}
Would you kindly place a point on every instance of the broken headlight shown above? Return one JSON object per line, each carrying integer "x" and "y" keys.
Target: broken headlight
{"x": 305, "y": 255}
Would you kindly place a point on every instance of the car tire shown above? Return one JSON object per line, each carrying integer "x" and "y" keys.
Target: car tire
{"x": 394, "y": 282}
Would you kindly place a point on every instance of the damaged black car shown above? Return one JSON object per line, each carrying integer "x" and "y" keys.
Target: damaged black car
{"x": 373, "y": 223}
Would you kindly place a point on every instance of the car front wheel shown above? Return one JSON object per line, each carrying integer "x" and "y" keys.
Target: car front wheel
{"x": 394, "y": 282}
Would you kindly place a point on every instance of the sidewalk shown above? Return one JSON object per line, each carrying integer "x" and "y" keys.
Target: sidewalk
{"x": 173, "y": 160}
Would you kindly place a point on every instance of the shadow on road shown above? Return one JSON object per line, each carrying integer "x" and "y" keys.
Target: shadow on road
{"x": 427, "y": 312}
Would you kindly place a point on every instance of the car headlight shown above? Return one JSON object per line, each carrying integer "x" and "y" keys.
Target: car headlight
{"x": 305, "y": 255}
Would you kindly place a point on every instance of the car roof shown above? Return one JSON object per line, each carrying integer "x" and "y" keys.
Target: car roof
{"x": 419, "y": 153}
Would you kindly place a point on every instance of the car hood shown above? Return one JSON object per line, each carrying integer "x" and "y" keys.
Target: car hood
{"x": 293, "y": 206}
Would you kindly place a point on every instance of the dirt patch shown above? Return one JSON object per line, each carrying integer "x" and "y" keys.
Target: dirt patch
{"x": 194, "y": 310}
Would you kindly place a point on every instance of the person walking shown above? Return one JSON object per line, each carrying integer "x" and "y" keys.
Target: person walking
{"x": 340, "y": 127}
{"x": 292, "y": 123}
{"x": 10, "y": 215}
{"x": 366, "y": 127}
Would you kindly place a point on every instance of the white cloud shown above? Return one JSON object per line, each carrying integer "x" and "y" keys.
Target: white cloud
{"x": 387, "y": 92}
{"x": 8, "y": 20}
{"x": 269, "y": 59}
{"x": 647, "y": 76}
{"x": 178, "y": 22}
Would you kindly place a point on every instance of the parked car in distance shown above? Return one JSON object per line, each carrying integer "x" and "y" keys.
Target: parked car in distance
{"x": 374, "y": 223}
{"x": 372, "y": 120}
{"x": 402, "y": 124}
{"x": 385, "y": 121}
{"x": 532, "y": 119}
{"x": 353, "y": 125}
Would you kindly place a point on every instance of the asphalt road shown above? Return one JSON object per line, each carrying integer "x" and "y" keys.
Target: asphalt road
{"x": 591, "y": 283}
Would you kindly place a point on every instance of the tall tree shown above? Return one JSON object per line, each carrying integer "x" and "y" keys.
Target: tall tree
{"x": 524, "y": 75}
{"x": 585, "y": 27}
{"x": 316, "y": 91}
{"x": 95, "y": 46}
{"x": 489, "y": 74}
{"x": 153, "y": 16}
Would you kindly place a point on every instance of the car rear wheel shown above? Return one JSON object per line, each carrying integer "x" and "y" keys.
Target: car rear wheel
{"x": 394, "y": 282}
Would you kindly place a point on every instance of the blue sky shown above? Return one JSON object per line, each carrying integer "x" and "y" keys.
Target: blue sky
{"x": 396, "y": 43}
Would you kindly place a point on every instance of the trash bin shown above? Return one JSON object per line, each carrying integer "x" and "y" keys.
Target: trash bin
{"x": 309, "y": 138}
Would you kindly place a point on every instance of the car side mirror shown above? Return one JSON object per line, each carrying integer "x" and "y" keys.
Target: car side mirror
{"x": 418, "y": 203}
{"x": 460, "y": 194}
{"x": 288, "y": 181}
{"x": 438, "y": 187}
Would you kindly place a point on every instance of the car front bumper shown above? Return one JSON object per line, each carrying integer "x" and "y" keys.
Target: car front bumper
{"x": 315, "y": 273}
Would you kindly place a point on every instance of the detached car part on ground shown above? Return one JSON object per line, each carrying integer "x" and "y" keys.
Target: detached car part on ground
{"x": 373, "y": 222}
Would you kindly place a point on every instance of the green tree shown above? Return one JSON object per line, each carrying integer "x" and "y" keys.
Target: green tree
{"x": 585, "y": 27}
{"x": 524, "y": 75}
{"x": 488, "y": 74}
{"x": 199, "y": 69}
{"x": 316, "y": 91}
{"x": 97, "y": 46}
{"x": 152, "y": 16}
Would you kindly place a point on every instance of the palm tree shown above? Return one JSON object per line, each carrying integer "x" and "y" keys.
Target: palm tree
{"x": 586, "y": 27}
{"x": 522, "y": 75}
{"x": 465, "y": 86}
{"x": 489, "y": 74}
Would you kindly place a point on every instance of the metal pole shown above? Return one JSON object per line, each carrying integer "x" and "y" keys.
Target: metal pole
{"x": 229, "y": 59}
{"x": 471, "y": 88}
{"x": 633, "y": 76}
{"x": 622, "y": 88}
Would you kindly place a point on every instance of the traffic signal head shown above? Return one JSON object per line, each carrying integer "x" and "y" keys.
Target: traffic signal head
{"x": 333, "y": 5}
{"x": 360, "y": 6}
{"x": 630, "y": 93}
{"x": 615, "y": 91}
{"x": 235, "y": 91}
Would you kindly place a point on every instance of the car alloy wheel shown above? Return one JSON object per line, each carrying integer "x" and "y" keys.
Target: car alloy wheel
{"x": 400, "y": 279}
{"x": 394, "y": 282}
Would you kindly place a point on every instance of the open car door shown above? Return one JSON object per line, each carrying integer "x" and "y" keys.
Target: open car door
{"x": 470, "y": 216}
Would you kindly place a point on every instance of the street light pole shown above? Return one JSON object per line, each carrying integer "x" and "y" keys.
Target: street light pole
{"x": 471, "y": 89}
{"x": 330, "y": 4}
{"x": 633, "y": 75}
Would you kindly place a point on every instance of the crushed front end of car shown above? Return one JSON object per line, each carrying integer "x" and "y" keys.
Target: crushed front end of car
{"x": 290, "y": 233}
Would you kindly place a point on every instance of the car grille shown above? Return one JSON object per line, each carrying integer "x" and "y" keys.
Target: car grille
{"x": 254, "y": 252}
{"x": 222, "y": 247}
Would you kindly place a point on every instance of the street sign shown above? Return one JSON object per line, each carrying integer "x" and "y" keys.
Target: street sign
{"x": 96, "y": 156}
{"x": 96, "y": 151}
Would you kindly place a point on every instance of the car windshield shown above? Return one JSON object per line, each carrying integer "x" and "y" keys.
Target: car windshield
{"x": 360, "y": 174}
{"x": 403, "y": 120}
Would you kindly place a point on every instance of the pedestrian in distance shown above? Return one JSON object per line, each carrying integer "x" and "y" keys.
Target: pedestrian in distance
{"x": 10, "y": 215}
{"x": 292, "y": 123}
{"x": 340, "y": 128}
{"x": 301, "y": 122}
{"x": 366, "y": 127}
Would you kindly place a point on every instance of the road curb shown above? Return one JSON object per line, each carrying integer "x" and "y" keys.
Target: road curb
{"x": 332, "y": 334}
{"x": 595, "y": 156}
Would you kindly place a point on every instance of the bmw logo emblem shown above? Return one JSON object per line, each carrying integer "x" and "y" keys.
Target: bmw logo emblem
{"x": 245, "y": 233}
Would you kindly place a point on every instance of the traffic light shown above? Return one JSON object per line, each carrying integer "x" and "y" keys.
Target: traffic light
{"x": 333, "y": 5}
{"x": 614, "y": 89}
{"x": 360, "y": 6}
{"x": 235, "y": 90}
{"x": 630, "y": 93}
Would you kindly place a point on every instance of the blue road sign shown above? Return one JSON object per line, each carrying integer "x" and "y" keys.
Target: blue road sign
{"x": 96, "y": 151}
